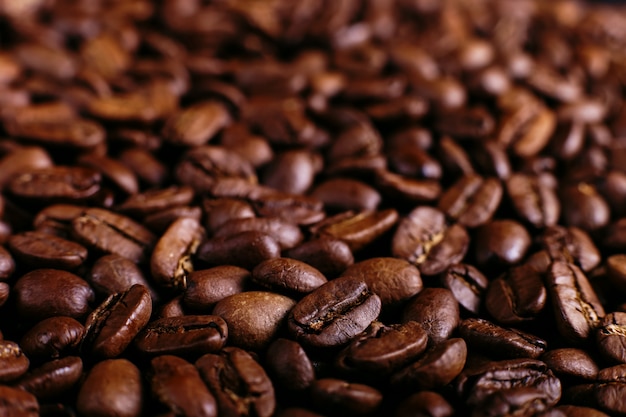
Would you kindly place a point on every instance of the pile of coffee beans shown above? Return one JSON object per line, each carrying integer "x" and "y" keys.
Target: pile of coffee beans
{"x": 259, "y": 208}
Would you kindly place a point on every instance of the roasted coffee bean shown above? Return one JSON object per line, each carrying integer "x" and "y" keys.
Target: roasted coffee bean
{"x": 336, "y": 395}
{"x": 254, "y": 327}
{"x": 286, "y": 234}
{"x": 221, "y": 210}
{"x": 610, "y": 337}
{"x": 61, "y": 183}
{"x": 571, "y": 245}
{"x": 289, "y": 365}
{"x": 13, "y": 361}
{"x": 177, "y": 384}
{"x": 4, "y": 292}
{"x": 583, "y": 207}
{"x": 17, "y": 402}
{"x": 393, "y": 280}
{"x": 53, "y": 378}
{"x": 245, "y": 249}
{"x": 502, "y": 241}
{"x": 57, "y": 219}
{"x": 520, "y": 401}
{"x": 334, "y": 313}
{"x": 240, "y": 385}
{"x": 173, "y": 308}
{"x": 114, "y": 171}
{"x": 287, "y": 275}
{"x": 516, "y": 296}
{"x": 609, "y": 397}
{"x": 382, "y": 349}
{"x": 184, "y": 336}
{"x": 111, "y": 274}
{"x": 144, "y": 165}
{"x": 31, "y": 158}
{"x": 577, "y": 310}
{"x": 436, "y": 310}
{"x": 467, "y": 285}
{"x": 196, "y": 125}
{"x": 44, "y": 293}
{"x": 109, "y": 232}
{"x": 572, "y": 363}
{"x": 477, "y": 383}
{"x": 426, "y": 404}
{"x": 616, "y": 271}
{"x": 533, "y": 200}
{"x": 41, "y": 250}
{"x": 423, "y": 239}
{"x": 208, "y": 286}
{"x": 471, "y": 201}
{"x": 396, "y": 186}
{"x": 113, "y": 325}
{"x": 52, "y": 338}
{"x": 342, "y": 194}
{"x": 7, "y": 264}
{"x": 578, "y": 411}
{"x": 501, "y": 342}
{"x": 153, "y": 201}
{"x": 170, "y": 263}
{"x": 437, "y": 367}
{"x": 329, "y": 255}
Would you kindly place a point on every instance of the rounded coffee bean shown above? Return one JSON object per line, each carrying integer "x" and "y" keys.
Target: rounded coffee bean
{"x": 342, "y": 194}
{"x": 519, "y": 400}
{"x": 17, "y": 402}
{"x": 611, "y": 337}
{"x": 111, "y": 274}
{"x": 287, "y": 235}
{"x": 357, "y": 230}
{"x": 7, "y": 264}
{"x": 393, "y": 280}
{"x": 502, "y": 241}
{"x": 52, "y": 338}
{"x": 337, "y": 395}
{"x": 221, "y": 210}
{"x": 472, "y": 200}
{"x": 53, "y": 378}
{"x": 584, "y": 207}
{"x": 334, "y": 313}
{"x": 467, "y": 285}
{"x": 255, "y": 326}
{"x": 289, "y": 365}
{"x": 245, "y": 249}
{"x": 44, "y": 293}
{"x": 571, "y": 363}
{"x": 184, "y": 336}
{"x": 287, "y": 275}
{"x": 436, "y": 310}
{"x": 112, "y": 388}
{"x": 616, "y": 271}
{"x": 426, "y": 404}
{"x": 13, "y": 362}
{"x": 206, "y": 287}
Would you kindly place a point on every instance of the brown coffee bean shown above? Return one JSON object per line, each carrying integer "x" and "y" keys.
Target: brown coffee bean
{"x": 502, "y": 241}
{"x": 533, "y": 200}
{"x": 240, "y": 385}
{"x": 53, "y": 378}
{"x": 144, "y": 165}
{"x": 335, "y": 394}
{"x": 583, "y": 207}
{"x": 519, "y": 400}
{"x": 571, "y": 363}
{"x": 7, "y": 264}
{"x": 44, "y": 293}
{"x": 183, "y": 336}
{"x": 244, "y": 249}
{"x": 578, "y": 411}
{"x": 58, "y": 183}
{"x": 41, "y": 250}
{"x": 196, "y": 125}
{"x": 346, "y": 194}
{"x": 4, "y": 292}
{"x": 472, "y": 201}
{"x": 52, "y": 338}
{"x": 498, "y": 341}
{"x": 467, "y": 285}
{"x": 329, "y": 255}
{"x": 117, "y": 173}
{"x": 405, "y": 188}
{"x": 289, "y": 365}
{"x": 471, "y": 123}
{"x": 610, "y": 337}
{"x": 113, "y": 325}
{"x": 286, "y": 234}
{"x": 292, "y": 171}
{"x": 436, "y": 310}
{"x": 571, "y": 245}
{"x": 255, "y": 326}
{"x": 424, "y": 403}
{"x": 111, "y": 274}
{"x": 208, "y": 286}
{"x": 13, "y": 362}
{"x": 16, "y": 402}
{"x": 221, "y": 210}
{"x": 287, "y": 275}
{"x": 23, "y": 159}
{"x": 393, "y": 280}
{"x": 153, "y": 201}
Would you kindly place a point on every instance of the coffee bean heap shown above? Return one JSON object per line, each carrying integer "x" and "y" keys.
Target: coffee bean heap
{"x": 312, "y": 208}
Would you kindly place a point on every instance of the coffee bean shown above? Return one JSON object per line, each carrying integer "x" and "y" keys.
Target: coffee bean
{"x": 583, "y": 207}
{"x": 289, "y": 365}
{"x": 467, "y": 285}
{"x": 60, "y": 183}
{"x": 111, "y": 274}
{"x": 245, "y": 249}
{"x": 153, "y": 201}
{"x": 18, "y": 402}
{"x": 117, "y": 173}
{"x": 255, "y": 326}
{"x": 52, "y": 338}
{"x": 334, "y": 313}
{"x": 329, "y": 255}
{"x": 221, "y": 210}
{"x": 184, "y": 336}
{"x": 502, "y": 241}
{"x": 291, "y": 172}
{"x": 533, "y": 200}
{"x": 44, "y": 293}
{"x": 41, "y": 250}
{"x": 577, "y": 411}
{"x": 436, "y": 310}
{"x": 426, "y": 403}
{"x": 287, "y": 275}
{"x": 240, "y": 385}
{"x": 572, "y": 363}
{"x": 4, "y": 292}
{"x": 471, "y": 201}
{"x": 338, "y": 395}
{"x": 343, "y": 194}
{"x": 53, "y": 378}
{"x": 396, "y": 186}
{"x": 196, "y": 125}
{"x": 500, "y": 341}
{"x": 286, "y": 234}
{"x": 520, "y": 400}
{"x": 571, "y": 245}
{"x": 610, "y": 337}
{"x": 112, "y": 326}
{"x": 12, "y": 360}
{"x": 7, "y": 264}
{"x": 208, "y": 286}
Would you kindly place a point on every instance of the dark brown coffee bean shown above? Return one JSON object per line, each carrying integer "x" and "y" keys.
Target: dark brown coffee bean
{"x": 436, "y": 310}
{"x": 7, "y": 264}
{"x": 357, "y": 229}
{"x": 44, "y": 293}
{"x": 57, "y": 219}
{"x": 437, "y": 367}
{"x": 338, "y": 395}
{"x": 16, "y": 402}
{"x": 13, "y": 361}
{"x": 404, "y": 188}
{"x": 453, "y": 158}
{"x": 467, "y": 285}
{"x": 519, "y": 400}
{"x": 382, "y": 349}
{"x": 616, "y": 271}
{"x": 533, "y": 200}
{"x": 153, "y": 201}
{"x": 113, "y": 325}
{"x": 256, "y": 326}
{"x": 611, "y": 336}
{"x": 423, "y": 239}
{"x": 572, "y": 363}
{"x": 289, "y": 365}
{"x": 184, "y": 336}
{"x": 502, "y": 241}
{"x": 472, "y": 201}
{"x": 577, "y": 310}
{"x": 297, "y": 412}
{"x": 52, "y": 338}
{"x": 23, "y": 159}
{"x": 578, "y": 411}
{"x": 71, "y": 133}
{"x": 109, "y": 232}
{"x": 424, "y": 404}
{"x": 292, "y": 171}
{"x": 160, "y": 221}
{"x": 144, "y": 165}
{"x": 609, "y": 397}
{"x": 221, "y": 210}
{"x": 516, "y": 296}
{"x": 170, "y": 263}
{"x": 173, "y": 308}
{"x": 287, "y": 275}
{"x": 196, "y": 125}
{"x": 346, "y": 194}
{"x": 4, "y": 292}
{"x": 393, "y": 280}
{"x": 244, "y": 249}
{"x": 60, "y": 183}
{"x": 117, "y": 173}
{"x": 571, "y": 245}
{"x": 240, "y": 385}
{"x": 112, "y": 274}
{"x": 286, "y": 234}
{"x": 41, "y": 250}
{"x": 208, "y": 286}
{"x": 485, "y": 336}
{"x": 53, "y": 378}
{"x": 334, "y": 313}
{"x": 412, "y": 161}
{"x": 583, "y": 207}
{"x": 472, "y": 123}
{"x": 329, "y": 255}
